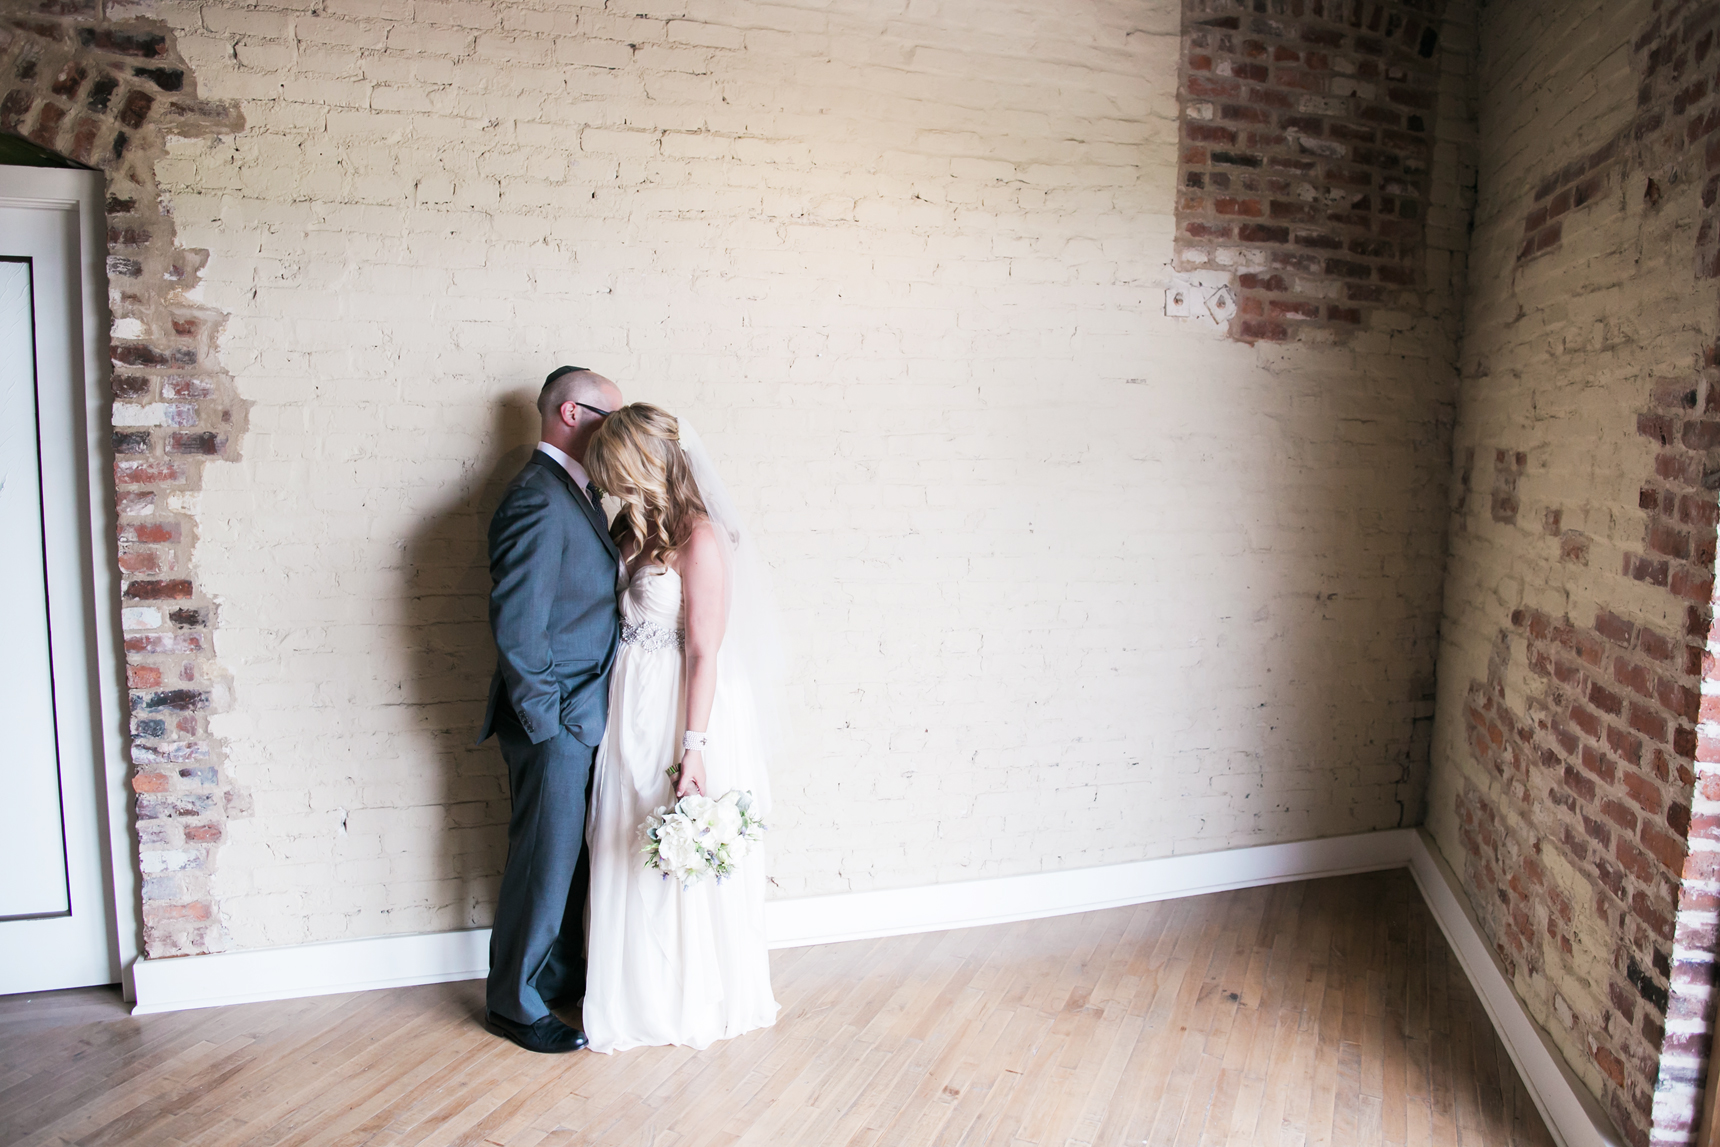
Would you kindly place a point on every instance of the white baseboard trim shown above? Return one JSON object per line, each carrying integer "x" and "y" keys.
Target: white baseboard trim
{"x": 1004, "y": 899}
{"x": 430, "y": 958}
{"x": 171, "y": 985}
{"x": 1571, "y": 1113}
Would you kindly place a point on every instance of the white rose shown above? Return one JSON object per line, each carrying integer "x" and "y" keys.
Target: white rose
{"x": 726, "y": 818}
{"x": 676, "y": 849}
{"x": 697, "y": 868}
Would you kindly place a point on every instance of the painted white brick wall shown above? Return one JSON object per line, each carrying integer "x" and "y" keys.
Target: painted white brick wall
{"x": 1071, "y": 583}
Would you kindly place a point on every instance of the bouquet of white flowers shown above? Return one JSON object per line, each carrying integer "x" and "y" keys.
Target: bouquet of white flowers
{"x": 701, "y": 837}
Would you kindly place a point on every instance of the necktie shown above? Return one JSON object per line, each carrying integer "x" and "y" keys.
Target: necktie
{"x": 596, "y": 497}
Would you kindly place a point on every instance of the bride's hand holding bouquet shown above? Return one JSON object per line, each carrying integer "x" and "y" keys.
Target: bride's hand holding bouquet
{"x": 689, "y": 775}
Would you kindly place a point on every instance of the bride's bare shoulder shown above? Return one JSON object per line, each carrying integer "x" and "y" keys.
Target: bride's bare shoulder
{"x": 700, "y": 532}
{"x": 700, "y": 544}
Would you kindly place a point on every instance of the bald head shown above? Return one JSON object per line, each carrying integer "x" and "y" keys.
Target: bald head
{"x": 576, "y": 384}
{"x": 569, "y": 404}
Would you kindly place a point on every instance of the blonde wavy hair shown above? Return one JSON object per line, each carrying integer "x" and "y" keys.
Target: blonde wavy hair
{"x": 636, "y": 457}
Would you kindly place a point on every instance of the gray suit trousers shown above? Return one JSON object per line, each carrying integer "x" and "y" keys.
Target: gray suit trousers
{"x": 537, "y": 945}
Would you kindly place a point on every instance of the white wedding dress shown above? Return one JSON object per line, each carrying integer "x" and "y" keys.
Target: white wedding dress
{"x": 666, "y": 964}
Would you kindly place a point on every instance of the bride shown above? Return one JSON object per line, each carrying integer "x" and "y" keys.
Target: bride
{"x": 667, "y": 964}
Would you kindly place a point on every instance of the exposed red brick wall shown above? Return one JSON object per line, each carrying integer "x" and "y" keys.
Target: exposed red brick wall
{"x": 1577, "y": 184}
{"x": 1686, "y": 1053}
{"x": 110, "y": 94}
{"x": 1307, "y": 138}
{"x": 1601, "y": 767}
{"x": 1676, "y": 112}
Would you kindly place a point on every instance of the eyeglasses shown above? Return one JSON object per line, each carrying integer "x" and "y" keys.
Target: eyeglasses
{"x": 600, "y": 413}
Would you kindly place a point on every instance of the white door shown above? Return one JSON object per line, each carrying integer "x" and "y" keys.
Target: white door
{"x": 57, "y": 925}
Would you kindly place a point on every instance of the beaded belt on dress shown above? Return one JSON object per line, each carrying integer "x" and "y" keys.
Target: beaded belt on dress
{"x": 650, "y": 636}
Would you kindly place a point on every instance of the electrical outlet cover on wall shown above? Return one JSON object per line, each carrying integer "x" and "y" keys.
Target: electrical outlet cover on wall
{"x": 1201, "y": 295}
{"x": 1221, "y": 305}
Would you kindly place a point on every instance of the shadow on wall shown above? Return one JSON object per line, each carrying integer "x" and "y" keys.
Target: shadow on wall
{"x": 450, "y": 657}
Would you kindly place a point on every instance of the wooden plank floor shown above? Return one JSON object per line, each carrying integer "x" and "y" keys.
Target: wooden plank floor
{"x": 1322, "y": 1012}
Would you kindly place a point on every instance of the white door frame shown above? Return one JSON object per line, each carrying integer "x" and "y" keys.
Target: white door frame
{"x": 98, "y": 560}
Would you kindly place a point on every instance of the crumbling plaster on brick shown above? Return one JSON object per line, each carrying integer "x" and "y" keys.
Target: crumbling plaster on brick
{"x": 1586, "y": 398}
{"x": 111, "y": 93}
{"x": 1310, "y": 134}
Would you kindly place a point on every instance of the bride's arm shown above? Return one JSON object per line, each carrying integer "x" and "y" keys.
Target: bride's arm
{"x": 701, "y": 569}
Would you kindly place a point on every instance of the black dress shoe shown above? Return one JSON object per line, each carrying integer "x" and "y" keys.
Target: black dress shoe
{"x": 549, "y": 1035}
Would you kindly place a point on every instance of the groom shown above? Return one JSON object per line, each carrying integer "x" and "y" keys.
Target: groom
{"x": 552, "y": 608}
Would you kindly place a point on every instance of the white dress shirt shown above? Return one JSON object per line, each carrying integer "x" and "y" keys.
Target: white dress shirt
{"x": 574, "y": 470}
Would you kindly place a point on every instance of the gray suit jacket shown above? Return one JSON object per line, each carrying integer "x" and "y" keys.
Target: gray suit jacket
{"x": 552, "y": 606}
